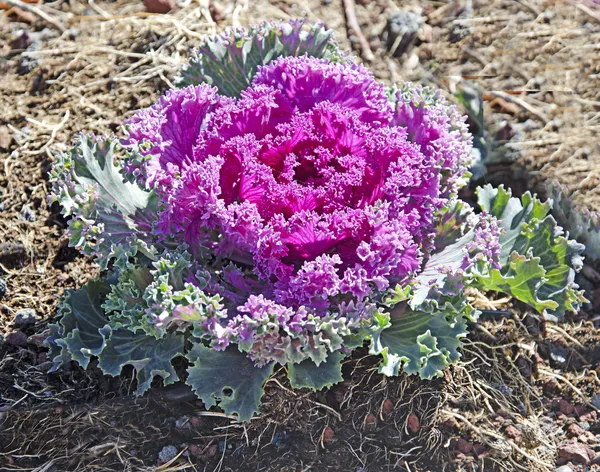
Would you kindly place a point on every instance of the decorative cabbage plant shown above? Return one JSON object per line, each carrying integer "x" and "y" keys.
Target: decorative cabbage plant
{"x": 284, "y": 208}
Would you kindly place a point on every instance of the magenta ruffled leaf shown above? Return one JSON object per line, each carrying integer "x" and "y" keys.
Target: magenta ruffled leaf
{"x": 438, "y": 129}
{"x": 161, "y": 138}
{"x": 305, "y": 83}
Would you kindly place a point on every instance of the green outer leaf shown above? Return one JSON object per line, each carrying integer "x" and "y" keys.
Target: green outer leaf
{"x": 307, "y": 374}
{"x": 83, "y": 331}
{"x": 583, "y": 224}
{"x": 213, "y": 372}
{"x": 418, "y": 342}
{"x": 111, "y": 217}
{"x": 522, "y": 280}
{"x": 512, "y": 213}
{"x": 149, "y": 356}
{"x": 451, "y": 257}
{"x": 538, "y": 263}
{"x": 94, "y": 165}
{"x": 230, "y": 61}
{"x": 80, "y": 332}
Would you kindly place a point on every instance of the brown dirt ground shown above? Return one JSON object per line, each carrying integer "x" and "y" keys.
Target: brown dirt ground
{"x": 511, "y": 401}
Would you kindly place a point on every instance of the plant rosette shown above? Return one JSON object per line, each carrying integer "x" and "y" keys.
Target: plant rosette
{"x": 282, "y": 207}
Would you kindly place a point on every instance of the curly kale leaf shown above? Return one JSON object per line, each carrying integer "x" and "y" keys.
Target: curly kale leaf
{"x": 83, "y": 331}
{"x": 538, "y": 264}
{"x": 111, "y": 218}
{"x": 583, "y": 224}
{"x": 418, "y": 342}
{"x": 230, "y": 61}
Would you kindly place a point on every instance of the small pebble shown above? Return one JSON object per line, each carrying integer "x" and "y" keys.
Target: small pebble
{"x": 278, "y": 438}
{"x": 577, "y": 452}
{"x": 558, "y": 354}
{"x": 28, "y": 214}
{"x": 25, "y": 318}
{"x": 6, "y": 138}
{"x": 564, "y": 468}
{"x": 370, "y": 422}
{"x": 195, "y": 421}
{"x": 401, "y": 31}
{"x": 388, "y": 407}
{"x": 183, "y": 423}
{"x": 16, "y": 338}
{"x": 574, "y": 431}
{"x": 328, "y": 435}
{"x": 464, "y": 446}
{"x": 413, "y": 423}
{"x": 513, "y": 433}
{"x": 159, "y": 6}
{"x": 212, "y": 450}
{"x": 584, "y": 425}
{"x": 21, "y": 41}
{"x": 167, "y": 454}
{"x": 565, "y": 407}
{"x": 194, "y": 450}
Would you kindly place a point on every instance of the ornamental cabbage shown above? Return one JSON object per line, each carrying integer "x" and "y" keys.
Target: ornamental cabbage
{"x": 283, "y": 207}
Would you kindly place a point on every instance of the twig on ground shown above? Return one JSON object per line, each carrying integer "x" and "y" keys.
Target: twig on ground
{"x": 39, "y": 12}
{"x": 482, "y": 19}
{"x": 492, "y": 434}
{"x": 586, "y": 10}
{"x": 328, "y": 408}
{"x": 522, "y": 103}
{"x": 352, "y": 22}
{"x": 55, "y": 129}
{"x": 568, "y": 382}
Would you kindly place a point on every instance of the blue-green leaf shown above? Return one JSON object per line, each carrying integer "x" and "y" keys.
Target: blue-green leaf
{"x": 82, "y": 327}
{"x": 307, "y": 374}
{"x": 538, "y": 263}
{"x": 230, "y": 61}
{"x": 449, "y": 258}
{"x": 418, "y": 342}
{"x": 83, "y": 331}
{"x": 149, "y": 356}
{"x": 512, "y": 214}
{"x": 110, "y": 217}
{"x": 227, "y": 377}
{"x": 583, "y": 224}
